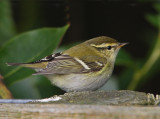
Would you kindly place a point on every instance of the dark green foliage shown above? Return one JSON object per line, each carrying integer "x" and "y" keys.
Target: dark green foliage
{"x": 28, "y": 47}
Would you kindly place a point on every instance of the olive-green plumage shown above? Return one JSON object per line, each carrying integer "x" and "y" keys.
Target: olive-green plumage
{"x": 86, "y": 66}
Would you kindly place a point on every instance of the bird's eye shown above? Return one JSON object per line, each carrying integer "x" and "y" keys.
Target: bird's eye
{"x": 109, "y": 47}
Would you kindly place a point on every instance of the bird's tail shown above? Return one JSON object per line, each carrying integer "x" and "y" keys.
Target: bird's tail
{"x": 15, "y": 64}
{"x": 30, "y": 65}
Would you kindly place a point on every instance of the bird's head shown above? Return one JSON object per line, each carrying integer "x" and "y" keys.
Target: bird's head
{"x": 107, "y": 46}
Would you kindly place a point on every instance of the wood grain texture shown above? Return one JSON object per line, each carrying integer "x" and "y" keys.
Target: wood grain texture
{"x": 67, "y": 111}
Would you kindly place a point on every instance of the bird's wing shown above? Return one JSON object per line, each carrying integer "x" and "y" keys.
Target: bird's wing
{"x": 65, "y": 64}
{"x": 62, "y": 64}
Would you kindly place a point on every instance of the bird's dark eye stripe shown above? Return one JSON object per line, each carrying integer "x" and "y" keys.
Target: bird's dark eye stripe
{"x": 101, "y": 48}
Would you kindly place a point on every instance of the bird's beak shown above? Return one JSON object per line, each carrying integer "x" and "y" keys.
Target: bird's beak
{"x": 121, "y": 44}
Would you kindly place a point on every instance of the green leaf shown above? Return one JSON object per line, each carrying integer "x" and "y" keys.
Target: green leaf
{"x": 25, "y": 89}
{"x": 153, "y": 19}
{"x": 45, "y": 87}
{"x": 156, "y": 6}
{"x": 125, "y": 78}
{"x": 34, "y": 87}
{"x": 124, "y": 58}
{"x": 7, "y": 29}
{"x": 27, "y": 47}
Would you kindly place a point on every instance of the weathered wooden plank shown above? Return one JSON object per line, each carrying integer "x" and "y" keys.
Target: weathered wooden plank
{"x": 122, "y": 104}
{"x": 68, "y": 111}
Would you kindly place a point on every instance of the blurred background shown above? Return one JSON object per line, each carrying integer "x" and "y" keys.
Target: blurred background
{"x": 137, "y": 22}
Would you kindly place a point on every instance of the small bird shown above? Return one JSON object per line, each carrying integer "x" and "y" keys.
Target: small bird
{"x": 84, "y": 67}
